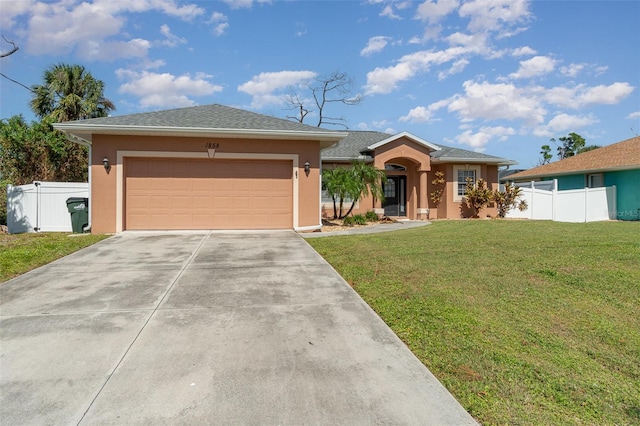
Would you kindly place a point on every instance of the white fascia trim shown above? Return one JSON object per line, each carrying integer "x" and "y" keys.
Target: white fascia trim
{"x": 496, "y": 161}
{"x": 198, "y": 155}
{"x": 77, "y": 139}
{"x": 407, "y": 135}
{"x": 202, "y": 132}
{"x": 347, "y": 159}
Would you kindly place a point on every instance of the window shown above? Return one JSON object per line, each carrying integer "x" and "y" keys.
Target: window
{"x": 461, "y": 173}
{"x": 326, "y": 198}
{"x": 394, "y": 168}
{"x": 595, "y": 180}
{"x": 390, "y": 188}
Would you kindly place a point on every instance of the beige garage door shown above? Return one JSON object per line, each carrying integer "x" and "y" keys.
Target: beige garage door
{"x": 208, "y": 194}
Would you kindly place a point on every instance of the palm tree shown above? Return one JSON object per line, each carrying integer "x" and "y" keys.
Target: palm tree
{"x": 69, "y": 93}
{"x": 354, "y": 183}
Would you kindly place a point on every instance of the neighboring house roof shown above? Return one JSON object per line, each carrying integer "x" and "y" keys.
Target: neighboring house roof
{"x": 204, "y": 121}
{"x": 506, "y": 174}
{"x": 623, "y": 155}
{"x": 358, "y": 145}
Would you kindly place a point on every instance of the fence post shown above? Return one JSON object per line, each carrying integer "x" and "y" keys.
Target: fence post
{"x": 586, "y": 204}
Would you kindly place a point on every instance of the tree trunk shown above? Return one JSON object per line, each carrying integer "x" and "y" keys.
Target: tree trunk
{"x": 350, "y": 210}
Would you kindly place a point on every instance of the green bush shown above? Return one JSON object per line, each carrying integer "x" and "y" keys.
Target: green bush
{"x": 3, "y": 201}
{"x": 371, "y": 216}
{"x": 357, "y": 219}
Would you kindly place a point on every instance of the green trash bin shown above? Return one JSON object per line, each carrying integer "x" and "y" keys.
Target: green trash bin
{"x": 79, "y": 209}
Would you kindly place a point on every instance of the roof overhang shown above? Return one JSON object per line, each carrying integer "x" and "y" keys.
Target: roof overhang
{"x": 461, "y": 160}
{"x": 407, "y": 135}
{"x": 82, "y": 133}
{"x": 574, "y": 172}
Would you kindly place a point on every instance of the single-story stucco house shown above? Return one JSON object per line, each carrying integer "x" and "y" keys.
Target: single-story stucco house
{"x": 616, "y": 164}
{"x": 411, "y": 163}
{"x": 217, "y": 167}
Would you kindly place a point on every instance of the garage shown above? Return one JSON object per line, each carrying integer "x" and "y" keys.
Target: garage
{"x": 202, "y": 167}
{"x": 185, "y": 193}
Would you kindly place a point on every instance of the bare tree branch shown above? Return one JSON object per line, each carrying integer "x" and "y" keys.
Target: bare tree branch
{"x": 297, "y": 105}
{"x": 334, "y": 88}
{"x": 14, "y": 50}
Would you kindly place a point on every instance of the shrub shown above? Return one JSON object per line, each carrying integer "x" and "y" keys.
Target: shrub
{"x": 477, "y": 196}
{"x": 3, "y": 201}
{"x": 359, "y": 219}
{"x": 371, "y": 216}
{"x": 508, "y": 199}
{"x": 438, "y": 182}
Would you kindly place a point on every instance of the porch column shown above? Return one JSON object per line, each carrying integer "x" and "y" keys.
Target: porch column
{"x": 423, "y": 203}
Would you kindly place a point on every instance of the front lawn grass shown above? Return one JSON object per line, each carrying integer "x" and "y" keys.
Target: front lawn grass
{"x": 20, "y": 253}
{"x": 525, "y": 322}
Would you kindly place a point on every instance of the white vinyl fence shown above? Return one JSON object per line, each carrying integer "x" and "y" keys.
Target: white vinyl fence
{"x": 577, "y": 205}
{"x": 42, "y": 206}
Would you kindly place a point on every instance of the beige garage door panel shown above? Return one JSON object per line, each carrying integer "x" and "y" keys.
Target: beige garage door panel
{"x": 208, "y": 194}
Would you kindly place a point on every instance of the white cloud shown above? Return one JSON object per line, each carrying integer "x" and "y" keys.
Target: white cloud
{"x": 572, "y": 70}
{"x": 434, "y": 11}
{"x": 385, "y": 80}
{"x": 422, "y": 114}
{"x": 582, "y": 95}
{"x": 564, "y": 122}
{"x": 634, "y": 115}
{"x": 91, "y": 29}
{"x": 606, "y": 95}
{"x": 13, "y": 9}
{"x": 171, "y": 40}
{"x": 503, "y": 101}
{"x": 534, "y": 67}
{"x": 494, "y": 15}
{"x": 389, "y": 13}
{"x": 220, "y": 23}
{"x": 418, "y": 114}
{"x": 483, "y": 136}
{"x": 168, "y": 7}
{"x": 375, "y": 44}
{"x": 110, "y": 51}
{"x": 266, "y": 88}
{"x": 164, "y": 90}
{"x": 523, "y": 51}
{"x": 457, "y": 67}
{"x": 243, "y": 4}
{"x": 378, "y": 124}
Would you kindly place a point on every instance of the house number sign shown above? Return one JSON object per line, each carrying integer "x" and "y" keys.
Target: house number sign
{"x": 211, "y": 148}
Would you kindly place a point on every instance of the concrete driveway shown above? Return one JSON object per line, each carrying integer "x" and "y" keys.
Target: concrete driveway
{"x": 204, "y": 328}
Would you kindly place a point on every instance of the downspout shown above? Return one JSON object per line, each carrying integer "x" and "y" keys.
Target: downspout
{"x": 88, "y": 227}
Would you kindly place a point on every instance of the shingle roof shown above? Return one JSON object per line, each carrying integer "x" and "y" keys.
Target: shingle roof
{"x": 618, "y": 156}
{"x": 354, "y": 146}
{"x": 213, "y": 116}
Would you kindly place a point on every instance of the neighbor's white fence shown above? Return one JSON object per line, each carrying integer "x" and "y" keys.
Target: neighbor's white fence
{"x": 577, "y": 205}
{"x": 42, "y": 206}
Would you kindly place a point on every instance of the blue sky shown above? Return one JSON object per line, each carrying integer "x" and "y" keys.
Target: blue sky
{"x": 497, "y": 76}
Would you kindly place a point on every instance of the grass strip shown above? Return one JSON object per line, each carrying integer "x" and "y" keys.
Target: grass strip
{"x": 20, "y": 253}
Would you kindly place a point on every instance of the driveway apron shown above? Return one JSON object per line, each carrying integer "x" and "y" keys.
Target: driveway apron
{"x": 204, "y": 328}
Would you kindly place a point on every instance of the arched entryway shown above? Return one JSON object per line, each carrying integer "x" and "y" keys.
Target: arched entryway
{"x": 395, "y": 190}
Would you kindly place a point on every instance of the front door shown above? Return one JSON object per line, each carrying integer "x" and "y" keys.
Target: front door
{"x": 394, "y": 196}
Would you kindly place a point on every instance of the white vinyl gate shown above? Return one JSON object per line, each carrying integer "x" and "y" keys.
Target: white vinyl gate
{"x": 576, "y": 205}
{"x": 42, "y": 206}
